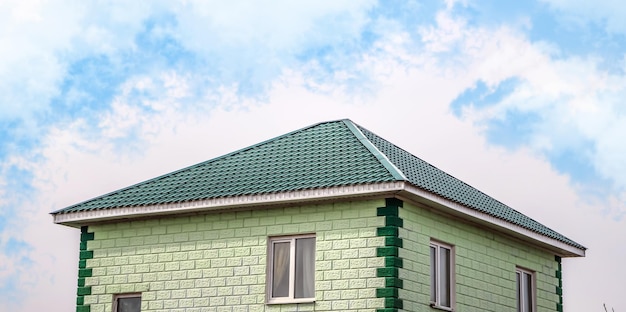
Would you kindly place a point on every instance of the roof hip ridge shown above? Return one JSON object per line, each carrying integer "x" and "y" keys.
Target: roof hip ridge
{"x": 380, "y": 156}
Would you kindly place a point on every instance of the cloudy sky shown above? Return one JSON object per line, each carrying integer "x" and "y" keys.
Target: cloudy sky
{"x": 522, "y": 100}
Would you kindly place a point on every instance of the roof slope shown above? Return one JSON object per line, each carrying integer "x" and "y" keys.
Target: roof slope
{"x": 322, "y": 155}
{"x": 328, "y": 154}
{"x": 431, "y": 179}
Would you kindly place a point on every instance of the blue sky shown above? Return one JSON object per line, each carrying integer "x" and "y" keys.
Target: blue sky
{"x": 96, "y": 96}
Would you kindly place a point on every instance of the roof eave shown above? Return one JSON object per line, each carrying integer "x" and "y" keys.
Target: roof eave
{"x": 400, "y": 189}
{"x": 86, "y": 217}
{"x": 560, "y": 248}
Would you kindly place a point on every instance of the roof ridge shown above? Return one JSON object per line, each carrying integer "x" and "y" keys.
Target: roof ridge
{"x": 466, "y": 202}
{"x": 384, "y": 160}
{"x": 191, "y": 167}
{"x": 333, "y": 153}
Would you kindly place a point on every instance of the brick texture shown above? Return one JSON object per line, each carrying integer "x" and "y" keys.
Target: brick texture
{"x": 485, "y": 264}
{"x": 365, "y": 261}
{"x": 217, "y": 262}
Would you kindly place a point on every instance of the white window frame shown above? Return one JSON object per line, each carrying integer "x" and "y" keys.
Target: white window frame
{"x": 521, "y": 288}
{"x": 437, "y": 302}
{"x": 121, "y": 296}
{"x": 292, "y": 269}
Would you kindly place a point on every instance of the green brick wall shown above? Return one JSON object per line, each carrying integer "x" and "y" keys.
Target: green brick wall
{"x": 370, "y": 256}
{"x": 216, "y": 262}
{"x": 485, "y": 264}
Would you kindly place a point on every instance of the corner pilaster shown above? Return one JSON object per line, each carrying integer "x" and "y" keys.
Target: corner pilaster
{"x": 559, "y": 287}
{"x": 393, "y": 283}
{"x": 83, "y": 271}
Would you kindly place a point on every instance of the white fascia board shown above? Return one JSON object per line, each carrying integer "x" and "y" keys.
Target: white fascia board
{"x": 394, "y": 188}
{"x": 562, "y": 249}
{"x": 79, "y": 218}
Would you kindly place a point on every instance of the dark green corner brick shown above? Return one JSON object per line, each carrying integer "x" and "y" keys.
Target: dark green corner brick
{"x": 393, "y": 221}
{"x": 393, "y": 202}
{"x": 386, "y": 292}
{"x": 86, "y": 254}
{"x": 559, "y": 289}
{"x": 395, "y": 262}
{"x": 83, "y": 291}
{"x": 85, "y": 272}
{"x": 387, "y": 231}
{"x": 387, "y": 272}
{"x": 390, "y": 251}
{"x": 393, "y": 241}
{"x": 387, "y": 211}
{"x": 393, "y": 303}
{"x": 86, "y": 237}
{"x": 394, "y": 282}
{"x": 83, "y": 308}
{"x": 386, "y": 251}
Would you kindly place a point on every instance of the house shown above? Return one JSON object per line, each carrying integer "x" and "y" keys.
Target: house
{"x": 330, "y": 217}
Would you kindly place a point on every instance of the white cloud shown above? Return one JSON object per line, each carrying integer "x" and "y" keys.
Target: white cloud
{"x": 406, "y": 102}
{"x": 282, "y": 26}
{"x": 579, "y": 103}
{"x": 41, "y": 39}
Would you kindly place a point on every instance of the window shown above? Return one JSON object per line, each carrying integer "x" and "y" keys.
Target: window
{"x": 291, "y": 269}
{"x": 127, "y": 303}
{"x": 525, "y": 290}
{"x": 441, "y": 275}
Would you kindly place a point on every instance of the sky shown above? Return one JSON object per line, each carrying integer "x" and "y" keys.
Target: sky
{"x": 522, "y": 100}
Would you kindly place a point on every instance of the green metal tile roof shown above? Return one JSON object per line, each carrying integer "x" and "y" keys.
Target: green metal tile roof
{"x": 328, "y": 154}
{"x": 436, "y": 181}
{"x": 323, "y": 155}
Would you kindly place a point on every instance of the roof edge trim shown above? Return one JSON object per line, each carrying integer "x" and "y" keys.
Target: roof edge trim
{"x": 194, "y": 165}
{"x": 395, "y": 172}
{"x": 567, "y": 250}
{"x": 348, "y": 191}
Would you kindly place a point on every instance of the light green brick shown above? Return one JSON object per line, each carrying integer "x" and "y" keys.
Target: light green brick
{"x": 275, "y": 230}
{"x": 367, "y": 252}
{"x": 267, "y": 221}
{"x": 164, "y": 276}
{"x": 181, "y": 237}
{"x": 201, "y": 302}
{"x": 155, "y": 305}
{"x": 349, "y": 273}
{"x": 206, "y": 256}
{"x": 249, "y": 280}
{"x": 151, "y": 240}
{"x": 485, "y": 262}
{"x": 341, "y": 244}
{"x": 258, "y": 231}
{"x": 227, "y": 252}
{"x": 165, "y": 239}
{"x": 98, "y": 308}
{"x": 332, "y": 255}
{"x": 170, "y": 285}
{"x": 179, "y": 275}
